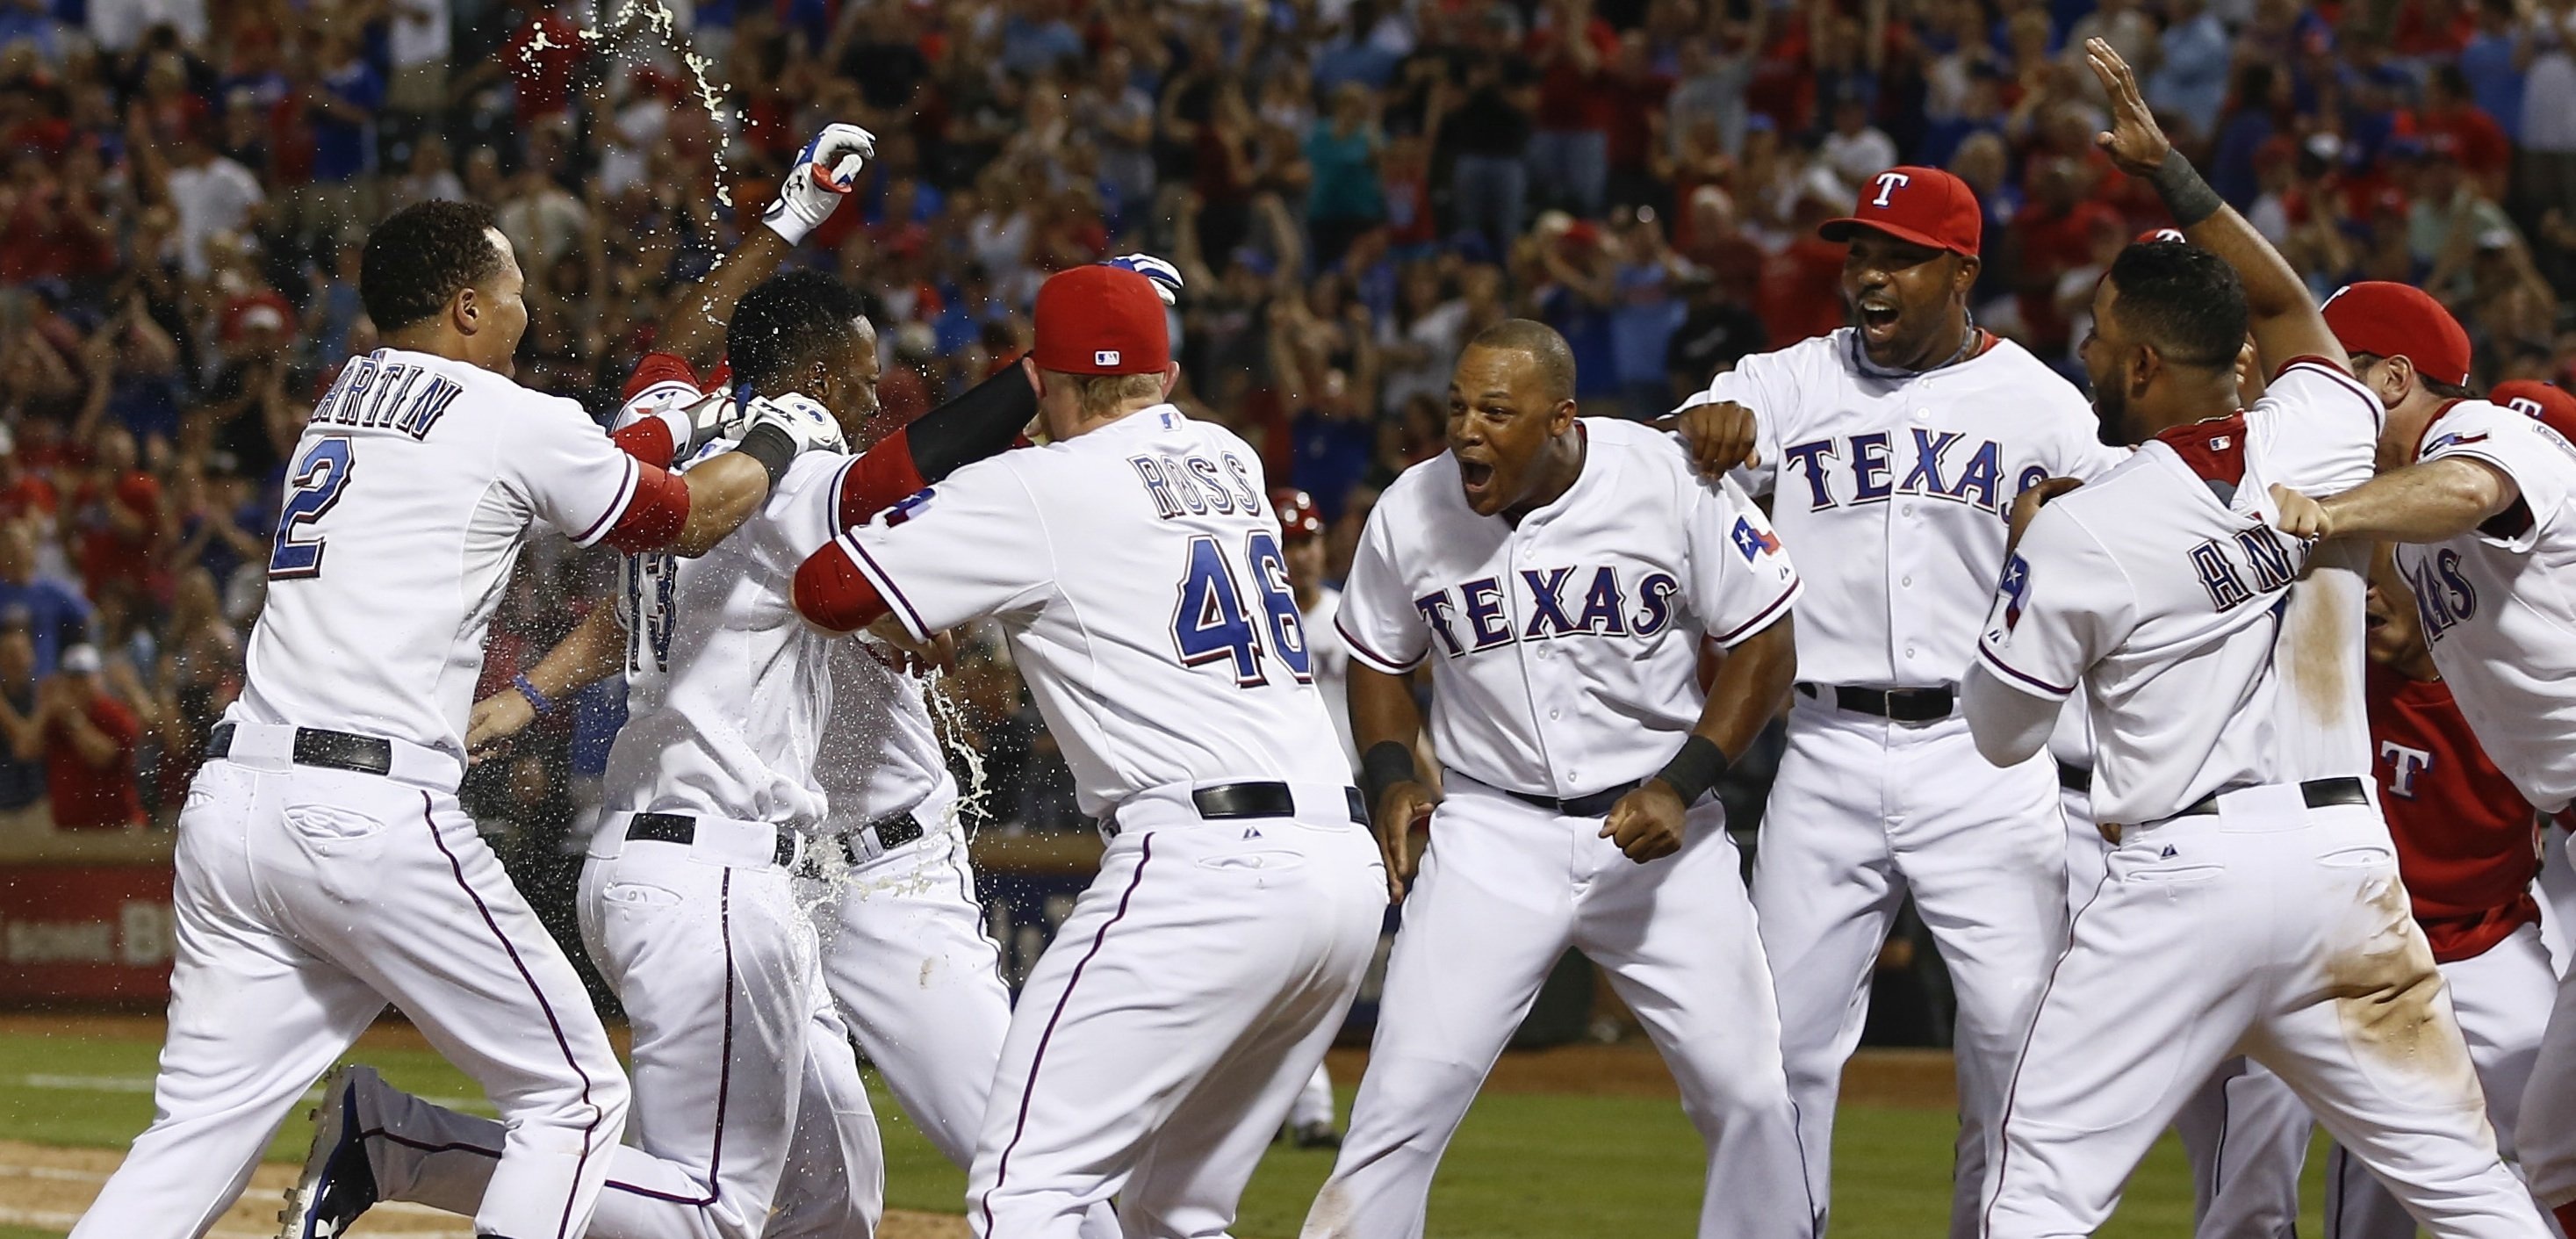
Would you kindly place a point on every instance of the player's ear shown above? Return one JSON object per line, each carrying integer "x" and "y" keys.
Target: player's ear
{"x": 465, "y": 310}
{"x": 1963, "y": 276}
{"x": 1561, "y": 418}
{"x": 1037, "y": 377}
{"x": 2144, "y": 364}
{"x": 1171, "y": 378}
{"x": 2393, "y": 378}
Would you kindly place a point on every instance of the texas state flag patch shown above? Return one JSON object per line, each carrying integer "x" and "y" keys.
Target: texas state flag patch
{"x": 1754, "y": 540}
{"x": 909, "y": 506}
{"x": 2015, "y": 587}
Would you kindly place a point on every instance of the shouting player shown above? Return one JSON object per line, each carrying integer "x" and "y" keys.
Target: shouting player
{"x": 1560, "y": 577}
{"x": 1134, "y": 565}
{"x": 325, "y": 867}
{"x": 1899, "y": 444}
{"x": 2267, "y": 903}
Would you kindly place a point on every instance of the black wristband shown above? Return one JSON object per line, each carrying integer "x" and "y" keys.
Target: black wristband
{"x": 2186, "y": 194}
{"x": 1386, "y": 764}
{"x": 774, "y": 448}
{"x": 1695, "y": 769}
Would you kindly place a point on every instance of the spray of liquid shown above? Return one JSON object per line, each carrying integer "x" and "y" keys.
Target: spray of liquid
{"x": 649, "y": 20}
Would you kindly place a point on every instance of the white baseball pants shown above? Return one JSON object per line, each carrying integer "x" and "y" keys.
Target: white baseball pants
{"x": 307, "y": 900}
{"x": 1865, "y": 811}
{"x": 2547, "y": 1136}
{"x": 1504, "y": 889}
{"x": 2274, "y": 930}
{"x": 2556, "y": 889}
{"x": 736, "y": 1056}
{"x": 1160, "y": 1039}
{"x": 2246, "y": 1134}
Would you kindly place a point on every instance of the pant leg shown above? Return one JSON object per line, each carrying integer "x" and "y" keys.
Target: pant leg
{"x": 1490, "y": 912}
{"x": 1825, "y": 894}
{"x": 834, "y": 1185}
{"x": 253, "y": 1019}
{"x": 2547, "y": 1135}
{"x": 2555, "y": 887}
{"x": 1191, "y": 934}
{"x": 2498, "y": 997}
{"x": 1314, "y": 1104}
{"x": 2152, "y": 993}
{"x": 2246, "y": 1135}
{"x": 1678, "y": 941}
{"x": 1984, "y": 851}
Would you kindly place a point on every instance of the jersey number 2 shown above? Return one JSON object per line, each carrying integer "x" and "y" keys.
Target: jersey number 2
{"x": 1211, "y": 623}
{"x": 318, "y": 480}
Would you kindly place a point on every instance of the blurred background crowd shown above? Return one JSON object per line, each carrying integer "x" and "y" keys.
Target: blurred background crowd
{"x": 1351, "y": 188}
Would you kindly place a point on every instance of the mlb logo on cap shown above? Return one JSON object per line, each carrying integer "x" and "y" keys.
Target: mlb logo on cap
{"x": 1101, "y": 320}
{"x": 1104, "y": 357}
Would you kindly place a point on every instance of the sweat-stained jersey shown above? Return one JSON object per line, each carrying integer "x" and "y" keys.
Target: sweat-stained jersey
{"x": 1565, "y": 651}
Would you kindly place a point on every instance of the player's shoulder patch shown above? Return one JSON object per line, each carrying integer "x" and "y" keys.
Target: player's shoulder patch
{"x": 2014, "y": 588}
{"x": 910, "y": 506}
{"x": 1755, "y": 541}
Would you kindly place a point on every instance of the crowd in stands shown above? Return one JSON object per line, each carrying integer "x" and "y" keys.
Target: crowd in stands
{"x": 1350, "y": 187}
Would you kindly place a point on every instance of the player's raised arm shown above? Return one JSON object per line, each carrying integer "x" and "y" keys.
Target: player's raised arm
{"x": 2284, "y": 319}
{"x": 693, "y": 327}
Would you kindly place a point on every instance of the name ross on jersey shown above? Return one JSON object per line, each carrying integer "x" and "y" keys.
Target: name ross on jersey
{"x": 1870, "y": 459}
{"x": 372, "y": 394}
{"x": 2265, "y": 551}
{"x": 1469, "y": 618}
{"x": 1195, "y": 485}
{"x": 2443, "y": 595}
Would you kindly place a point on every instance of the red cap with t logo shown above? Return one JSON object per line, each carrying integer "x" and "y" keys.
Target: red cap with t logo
{"x": 2386, "y": 319}
{"x": 2551, "y": 406}
{"x": 1926, "y": 206}
{"x": 1095, "y": 319}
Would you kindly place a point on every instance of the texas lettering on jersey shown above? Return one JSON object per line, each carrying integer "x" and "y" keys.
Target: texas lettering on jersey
{"x": 2443, "y": 595}
{"x": 1853, "y": 470}
{"x": 1470, "y": 618}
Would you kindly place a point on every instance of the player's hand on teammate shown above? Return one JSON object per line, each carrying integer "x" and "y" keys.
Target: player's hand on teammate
{"x": 495, "y": 719}
{"x": 2300, "y": 516}
{"x": 1647, "y": 823}
{"x": 1166, "y": 277}
{"x": 2135, "y": 143}
{"x": 824, "y": 173}
{"x": 716, "y": 415}
{"x": 1720, "y": 435}
{"x": 896, "y": 649}
{"x": 1402, "y": 809}
{"x": 806, "y": 421}
{"x": 2027, "y": 504}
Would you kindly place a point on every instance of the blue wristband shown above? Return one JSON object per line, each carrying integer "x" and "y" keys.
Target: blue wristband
{"x": 544, "y": 705}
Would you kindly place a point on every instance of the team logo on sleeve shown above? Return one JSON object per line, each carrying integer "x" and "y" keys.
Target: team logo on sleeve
{"x": 909, "y": 506}
{"x": 2015, "y": 587}
{"x": 1754, "y": 540}
{"x": 2453, "y": 440}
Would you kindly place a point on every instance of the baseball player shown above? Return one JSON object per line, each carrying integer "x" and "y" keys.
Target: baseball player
{"x": 1900, "y": 443}
{"x": 2485, "y": 525}
{"x": 1301, "y": 539}
{"x": 1559, "y": 576}
{"x": 2273, "y": 900}
{"x": 325, "y": 867}
{"x": 2556, "y": 408}
{"x": 1134, "y": 565}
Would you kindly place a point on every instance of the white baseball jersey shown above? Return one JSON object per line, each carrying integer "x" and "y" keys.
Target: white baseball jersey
{"x": 1332, "y": 663}
{"x": 1143, "y": 688}
{"x": 880, "y": 754}
{"x": 1558, "y": 640}
{"x": 2499, "y": 603}
{"x": 1909, "y": 479}
{"x": 409, "y": 494}
{"x": 2163, "y": 589}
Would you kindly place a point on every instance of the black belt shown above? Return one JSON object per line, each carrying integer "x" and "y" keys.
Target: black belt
{"x": 1595, "y": 805}
{"x": 1902, "y": 705}
{"x": 673, "y": 828}
{"x": 892, "y": 832}
{"x": 2319, "y": 793}
{"x": 2074, "y": 779}
{"x": 1264, "y": 799}
{"x": 331, "y": 750}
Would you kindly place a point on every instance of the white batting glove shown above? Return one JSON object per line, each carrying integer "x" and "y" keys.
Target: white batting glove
{"x": 804, "y": 419}
{"x": 824, "y": 172}
{"x": 1166, "y": 277}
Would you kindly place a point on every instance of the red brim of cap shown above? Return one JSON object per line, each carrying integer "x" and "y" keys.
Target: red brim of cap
{"x": 1839, "y": 231}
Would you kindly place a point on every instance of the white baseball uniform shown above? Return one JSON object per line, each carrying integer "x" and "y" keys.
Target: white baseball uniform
{"x": 1565, "y": 657}
{"x": 1136, "y": 571}
{"x": 311, "y": 896}
{"x": 687, "y": 906}
{"x": 1903, "y": 481}
{"x": 1331, "y": 662}
{"x": 2498, "y": 606}
{"x": 2268, "y": 909}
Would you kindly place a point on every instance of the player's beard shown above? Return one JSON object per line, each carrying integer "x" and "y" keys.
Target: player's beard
{"x": 2111, "y": 405}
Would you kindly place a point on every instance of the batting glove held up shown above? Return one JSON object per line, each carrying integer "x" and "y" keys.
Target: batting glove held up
{"x": 802, "y": 419}
{"x": 824, "y": 172}
{"x": 1166, "y": 277}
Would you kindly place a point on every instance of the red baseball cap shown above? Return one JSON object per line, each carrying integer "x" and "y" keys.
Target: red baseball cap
{"x": 2385, "y": 319}
{"x": 2554, "y": 406}
{"x": 2154, "y": 235}
{"x": 1101, "y": 320}
{"x": 1926, "y": 206}
{"x": 1299, "y": 518}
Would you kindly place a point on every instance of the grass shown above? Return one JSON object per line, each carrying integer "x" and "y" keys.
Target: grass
{"x": 1529, "y": 1165}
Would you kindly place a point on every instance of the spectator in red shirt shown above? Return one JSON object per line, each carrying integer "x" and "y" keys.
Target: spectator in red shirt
{"x": 2475, "y": 138}
{"x": 119, "y": 513}
{"x": 2055, "y": 235}
{"x": 89, "y": 742}
{"x": 1569, "y": 153}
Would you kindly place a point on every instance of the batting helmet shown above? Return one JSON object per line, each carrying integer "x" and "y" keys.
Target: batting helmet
{"x": 1299, "y": 518}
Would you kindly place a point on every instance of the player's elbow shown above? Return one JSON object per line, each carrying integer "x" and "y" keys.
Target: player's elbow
{"x": 2009, "y": 726}
{"x": 833, "y": 595}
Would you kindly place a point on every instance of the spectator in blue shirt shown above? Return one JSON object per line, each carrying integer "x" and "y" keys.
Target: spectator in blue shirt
{"x": 2191, "y": 74}
{"x": 55, "y": 614}
{"x": 22, "y": 779}
{"x": 2493, "y": 62}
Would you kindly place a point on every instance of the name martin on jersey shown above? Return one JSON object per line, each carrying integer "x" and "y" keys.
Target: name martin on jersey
{"x": 372, "y": 393}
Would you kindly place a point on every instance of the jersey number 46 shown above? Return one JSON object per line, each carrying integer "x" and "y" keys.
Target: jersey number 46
{"x": 1212, "y": 624}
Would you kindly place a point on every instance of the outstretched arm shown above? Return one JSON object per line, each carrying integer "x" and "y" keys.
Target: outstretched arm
{"x": 2429, "y": 501}
{"x": 593, "y": 650}
{"x": 2284, "y": 319}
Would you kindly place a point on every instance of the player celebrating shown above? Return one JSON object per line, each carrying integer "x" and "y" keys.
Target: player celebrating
{"x": 325, "y": 867}
{"x": 1561, "y": 694}
{"x": 2162, "y": 591}
{"x": 1158, "y": 1042}
{"x": 1900, "y": 443}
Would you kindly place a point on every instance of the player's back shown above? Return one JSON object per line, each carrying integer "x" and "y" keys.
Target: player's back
{"x": 1158, "y": 631}
{"x": 406, "y": 502}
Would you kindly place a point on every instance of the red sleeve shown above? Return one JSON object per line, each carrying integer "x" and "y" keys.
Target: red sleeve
{"x": 111, "y": 717}
{"x": 832, "y": 593}
{"x": 648, "y": 440}
{"x": 658, "y": 369}
{"x": 883, "y": 475}
{"x": 655, "y": 516}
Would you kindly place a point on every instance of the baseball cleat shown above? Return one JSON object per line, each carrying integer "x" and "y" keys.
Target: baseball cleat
{"x": 337, "y": 1184}
{"x": 1314, "y": 1136}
